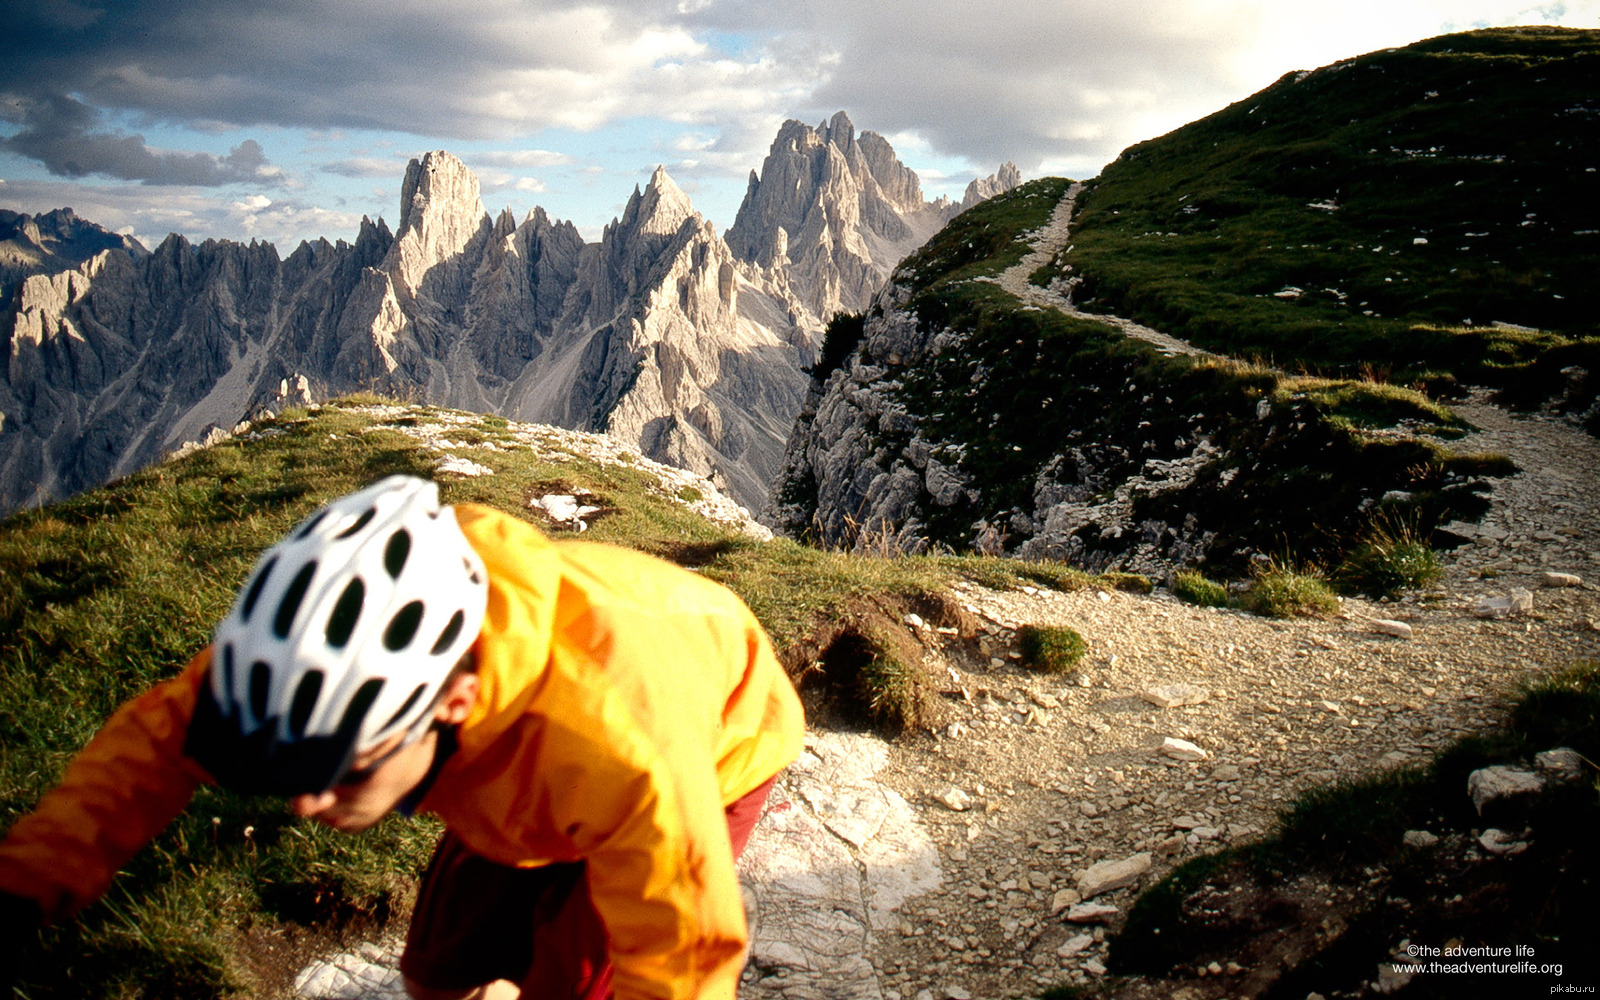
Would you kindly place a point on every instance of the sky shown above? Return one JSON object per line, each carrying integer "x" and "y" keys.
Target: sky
{"x": 285, "y": 120}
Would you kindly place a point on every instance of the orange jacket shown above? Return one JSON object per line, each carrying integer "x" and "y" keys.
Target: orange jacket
{"x": 623, "y": 703}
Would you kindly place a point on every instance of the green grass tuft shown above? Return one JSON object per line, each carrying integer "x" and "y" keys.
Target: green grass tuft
{"x": 1193, "y": 587}
{"x": 1279, "y": 591}
{"x": 1051, "y": 649}
{"x": 1393, "y": 558}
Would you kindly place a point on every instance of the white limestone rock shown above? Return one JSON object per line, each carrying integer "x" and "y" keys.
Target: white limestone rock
{"x": 1091, "y": 913}
{"x": 1178, "y": 749}
{"x": 1175, "y": 695}
{"x": 1106, "y": 876}
{"x": 954, "y": 799}
{"x": 1518, "y": 601}
{"x": 1502, "y": 842}
{"x": 1386, "y": 626}
{"x": 1562, "y": 764}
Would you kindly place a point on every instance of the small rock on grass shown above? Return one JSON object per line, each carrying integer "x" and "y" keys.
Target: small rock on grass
{"x": 1493, "y": 784}
{"x": 1502, "y": 842}
{"x": 1562, "y": 763}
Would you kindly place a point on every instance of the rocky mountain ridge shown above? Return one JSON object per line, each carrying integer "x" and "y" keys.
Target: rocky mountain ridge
{"x": 658, "y": 334}
{"x": 51, "y": 242}
{"x": 835, "y": 212}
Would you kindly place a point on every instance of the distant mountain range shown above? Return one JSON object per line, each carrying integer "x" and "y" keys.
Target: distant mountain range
{"x": 663, "y": 333}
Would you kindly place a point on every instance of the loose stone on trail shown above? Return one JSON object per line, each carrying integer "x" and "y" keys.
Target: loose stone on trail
{"x": 1175, "y": 695}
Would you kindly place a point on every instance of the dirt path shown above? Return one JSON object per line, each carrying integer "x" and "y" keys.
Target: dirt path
{"x": 1062, "y": 774}
{"x": 1049, "y": 776}
{"x": 1047, "y": 244}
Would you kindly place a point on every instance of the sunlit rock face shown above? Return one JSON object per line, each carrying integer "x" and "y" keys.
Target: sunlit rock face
{"x": 834, "y": 213}
{"x": 662, "y": 333}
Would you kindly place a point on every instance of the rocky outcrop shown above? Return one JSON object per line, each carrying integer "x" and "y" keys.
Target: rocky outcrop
{"x": 834, "y": 213}
{"x": 984, "y": 188}
{"x": 1004, "y": 420}
{"x": 51, "y": 243}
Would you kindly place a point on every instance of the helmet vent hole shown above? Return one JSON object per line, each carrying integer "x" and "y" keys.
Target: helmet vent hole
{"x": 402, "y": 627}
{"x": 360, "y": 704}
{"x": 254, "y": 593}
{"x": 260, "y": 683}
{"x": 394, "y": 553}
{"x": 292, "y": 597}
{"x": 472, "y": 572}
{"x": 227, "y": 674}
{"x": 447, "y": 638}
{"x": 305, "y": 699}
{"x": 311, "y": 525}
{"x": 360, "y": 522}
{"x": 411, "y": 702}
{"x": 346, "y": 612}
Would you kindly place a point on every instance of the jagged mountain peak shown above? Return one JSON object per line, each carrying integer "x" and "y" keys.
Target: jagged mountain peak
{"x": 661, "y": 209}
{"x": 52, "y": 242}
{"x": 984, "y": 188}
{"x": 840, "y": 207}
{"x": 437, "y": 186}
{"x": 656, "y": 332}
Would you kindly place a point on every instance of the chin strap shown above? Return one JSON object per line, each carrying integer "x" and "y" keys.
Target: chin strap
{"x": 443, "y": 749}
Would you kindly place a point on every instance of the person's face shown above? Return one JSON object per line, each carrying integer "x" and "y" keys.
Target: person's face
{"x": 383, "y": 776}
{"x": 376, "y": 785}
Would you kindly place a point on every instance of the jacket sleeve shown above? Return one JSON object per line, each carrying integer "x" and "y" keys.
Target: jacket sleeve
{"x": 122, "y": 790}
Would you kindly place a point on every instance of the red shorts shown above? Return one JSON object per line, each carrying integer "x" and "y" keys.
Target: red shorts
{"x": 477, "y": 921}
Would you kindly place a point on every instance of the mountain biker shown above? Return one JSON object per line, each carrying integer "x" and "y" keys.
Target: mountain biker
{"x": 597, "y": 728}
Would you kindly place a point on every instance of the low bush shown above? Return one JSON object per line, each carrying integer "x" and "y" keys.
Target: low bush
{"x": 1051, "y": 648}
{"x": 1131, "y": 583}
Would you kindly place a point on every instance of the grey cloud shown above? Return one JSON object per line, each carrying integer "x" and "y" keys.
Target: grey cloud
{"x": 60, "y": 133}
{"x": 366, "y": 167}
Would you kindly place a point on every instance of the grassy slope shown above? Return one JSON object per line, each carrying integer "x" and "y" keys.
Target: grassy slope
{"x": 117, "y": 588}
{"x": 1024, "y": 394}
{"x": 1485, "y": 145}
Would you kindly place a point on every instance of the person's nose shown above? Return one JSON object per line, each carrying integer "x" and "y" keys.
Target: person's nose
{"x": 311, "y": 804}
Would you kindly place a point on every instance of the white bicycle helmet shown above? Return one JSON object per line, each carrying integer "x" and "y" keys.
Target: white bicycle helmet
{"x": 341, "y": 638}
